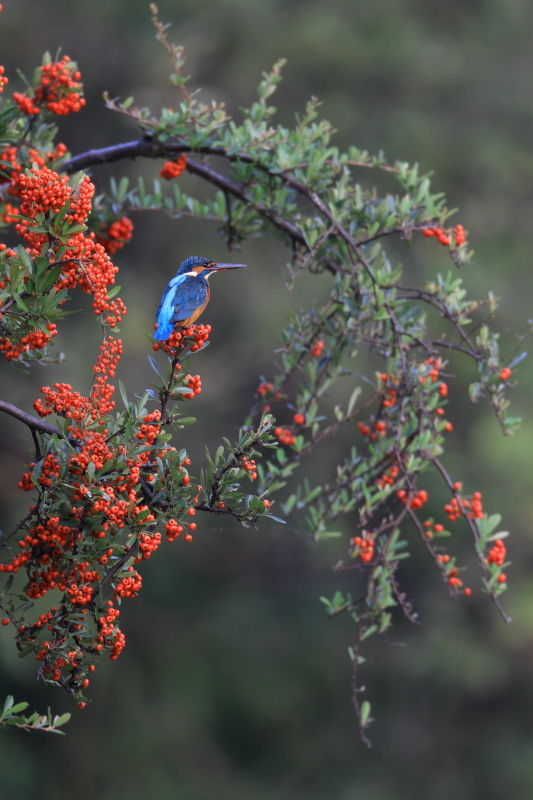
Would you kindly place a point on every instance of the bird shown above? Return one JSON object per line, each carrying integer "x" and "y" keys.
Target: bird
{"x": 187, "y": 294}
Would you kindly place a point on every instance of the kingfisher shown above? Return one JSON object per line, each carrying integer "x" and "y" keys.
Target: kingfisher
{"x": 187, "y": 294}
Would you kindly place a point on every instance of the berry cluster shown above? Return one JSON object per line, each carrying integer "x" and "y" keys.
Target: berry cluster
{"x": 116, "y": 236}
{"x": 173, "y": 530}
{"x": 264, "y": 388}
{"x": 249, "y": 465}
{"x": 148, "y": 544}
{"x": 265, "y": 391}
{"x": 85, "y": 261}
{"x": 50, "y": 471}
{"x": 129, "y": 586}
{"x": 390, "y": 399}
{"x": 194, "y": 382}
{"x": 389, "y": 477}
{"x": 317, "y": 348}
{"x": 452, "y": 574}
{"x": 173, "y": 169}
{"x": 38, "y": 339}
{"x": 363, "y": 547}
{"x": 285, "y": 436}
{"x": 59, "y": 89}
{"x": 446, "y": 238}
{"x": 197, "y": 335}
{"x": 64, "y": 401}
{"x": 415, "y": 501}
{"x": 379, "y": 429}
{"x": 109, "y": 634}
{"x": 431, "y": 529}
{"x": 42, "y": 191}
{"x": 3, "y": 80}
{"x": 9, "y": 350}
{"x": 497, "y": 553}
{"x": 10, "y": 164}
{"x": 458, "y": 506}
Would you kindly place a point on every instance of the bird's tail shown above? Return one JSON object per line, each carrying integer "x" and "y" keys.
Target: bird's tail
{"x": 164, "y": 329}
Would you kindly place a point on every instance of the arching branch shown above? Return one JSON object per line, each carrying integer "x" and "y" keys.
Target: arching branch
{"x": 33, "y": 423}
{"x": 147, "y": 149}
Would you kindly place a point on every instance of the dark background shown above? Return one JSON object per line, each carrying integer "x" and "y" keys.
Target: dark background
{"x": 234, "y": 684}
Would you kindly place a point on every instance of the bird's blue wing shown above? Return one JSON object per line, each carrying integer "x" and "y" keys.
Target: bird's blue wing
{"x": 181, "y": 297}
{"x": 165, "y": 311}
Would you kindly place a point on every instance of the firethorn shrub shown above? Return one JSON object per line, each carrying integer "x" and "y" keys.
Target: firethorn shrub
{"x": 107, "y": 480}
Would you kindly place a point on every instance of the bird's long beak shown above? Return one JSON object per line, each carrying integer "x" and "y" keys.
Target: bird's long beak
{"x": 227, "y": 266}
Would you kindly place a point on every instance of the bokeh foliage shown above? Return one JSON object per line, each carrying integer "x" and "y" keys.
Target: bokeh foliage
{"x": 259, "y": 707}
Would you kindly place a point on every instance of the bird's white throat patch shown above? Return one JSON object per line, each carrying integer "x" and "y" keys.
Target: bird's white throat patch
{"x": 196, "y": 275}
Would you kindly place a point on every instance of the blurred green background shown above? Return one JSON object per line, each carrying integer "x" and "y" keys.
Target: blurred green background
{"x": 234, "y": 684}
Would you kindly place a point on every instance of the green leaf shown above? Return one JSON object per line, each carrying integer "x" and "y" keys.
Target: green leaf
{"x": 7, "y": 704}
{"x": 20, "y": 302}
{"x": 353, "y": 398}
{"x": 24, "y": 606}
{"x": 364, "y": 712}
{"x": 61, "y": 720}
{"x": 18, "y": 707}
{"x": 155, "y": 367}
{"x": 277, "y": 519}
{"x": 113, "y": 293}
{"x": 123, "y": 394}
{"x": 8, "y": 115}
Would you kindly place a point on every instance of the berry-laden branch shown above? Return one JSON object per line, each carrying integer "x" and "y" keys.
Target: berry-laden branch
{"x": 105, "y": 480}
{"x": 102, "y": 480}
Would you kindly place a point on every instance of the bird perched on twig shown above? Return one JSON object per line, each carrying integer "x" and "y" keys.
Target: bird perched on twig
{"x": 186, "y": 295}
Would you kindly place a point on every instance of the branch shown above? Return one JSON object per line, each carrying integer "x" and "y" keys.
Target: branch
{"x": 32, "y": 422}
{"x": 149, "y": 149}
{"x": 107, "y": 155}
{"x": 475, "y": 533}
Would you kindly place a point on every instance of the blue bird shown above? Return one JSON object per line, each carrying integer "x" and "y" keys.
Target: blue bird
{"x": 186, "y": 295}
